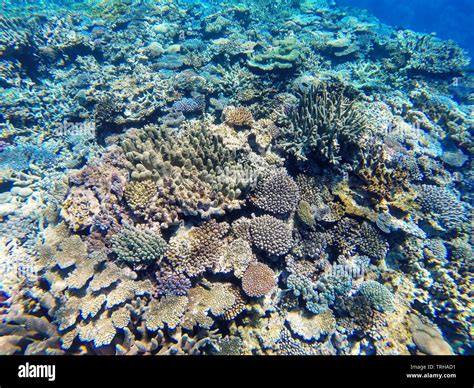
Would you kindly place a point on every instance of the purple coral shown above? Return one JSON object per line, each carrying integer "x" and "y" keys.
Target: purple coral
{"x": 172, "y": 284}
{"x": 189, "y": 105}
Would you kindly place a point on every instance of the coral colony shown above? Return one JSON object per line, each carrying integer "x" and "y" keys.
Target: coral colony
{"x": 261, "y": 177}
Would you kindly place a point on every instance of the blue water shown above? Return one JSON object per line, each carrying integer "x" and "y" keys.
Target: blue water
{"x": 449, "y": 19}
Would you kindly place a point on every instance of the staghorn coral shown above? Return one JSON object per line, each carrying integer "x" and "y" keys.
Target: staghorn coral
{"x": 325, "y": 126}
{"x": 271, "y": 235}
{"x": 277, "y": 193}
{"x": 429, "y": 54}
{"x": 258, "y": 280}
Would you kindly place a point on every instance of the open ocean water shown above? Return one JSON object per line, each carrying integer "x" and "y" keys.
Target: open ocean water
{"x": 447, "y": 19}
{"x": 274, "y": 177}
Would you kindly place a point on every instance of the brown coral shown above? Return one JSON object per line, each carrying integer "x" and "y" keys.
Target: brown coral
{"x": 258, "y": 280}
{"x": 80, "y": 208}
{"x": 237, "y": 116}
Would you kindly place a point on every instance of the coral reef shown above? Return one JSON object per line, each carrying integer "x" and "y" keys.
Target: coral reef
{"x": 258, "y": 279}
{"x": 271, "y": 235}
{"x": 377, "y": 295}
{"x": 276, "y": 194}
{"x": 195, "y": 174}
{"x": 325, "y": 125}
{"x": 269, "y": 178}
{"x": 136, "y": 246}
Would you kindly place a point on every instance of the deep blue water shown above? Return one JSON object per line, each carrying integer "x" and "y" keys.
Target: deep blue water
{"x": 449, "y": 19}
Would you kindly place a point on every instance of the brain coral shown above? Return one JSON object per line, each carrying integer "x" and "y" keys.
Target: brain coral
{"x": 258, "y": 280}
{"x": 271, "y": 235}
{"x": 379, "y": 297}
{"x": 276, "y": 194}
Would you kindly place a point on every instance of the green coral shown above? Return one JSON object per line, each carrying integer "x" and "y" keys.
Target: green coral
{"x": 325, "y": 126}
{"x": 305, "y": 213}
{"x": 283, "y": 54}
{"x": 136, "y": 246}
{"x": 379, "y": 296}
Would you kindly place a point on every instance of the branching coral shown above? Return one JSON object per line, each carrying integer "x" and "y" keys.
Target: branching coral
{"x": 271, "y": 235}
{"x": 378, "y": 296}
{"x": 195, "y": 173}
{"x": 248, "y": 183}
{"x": 276, "y": 193}
{"x": 430, "y": 54}
{"x": 237, "y": 116}
{"x": 325, "y": 126}
{"x": 321, "y": 294}
{"x": 443, "y": 205}
{"x": 136, "y": 246}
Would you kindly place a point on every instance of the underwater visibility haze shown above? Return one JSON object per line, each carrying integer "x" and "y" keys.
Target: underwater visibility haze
{"x": 273, "y": 177}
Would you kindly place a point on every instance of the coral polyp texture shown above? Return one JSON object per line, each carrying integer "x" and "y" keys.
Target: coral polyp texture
{"x": 276, "y": 194}
{"x": 237, "y": 178}
{"x": 271, "y": 235}
{"x": 258, "y": 279}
